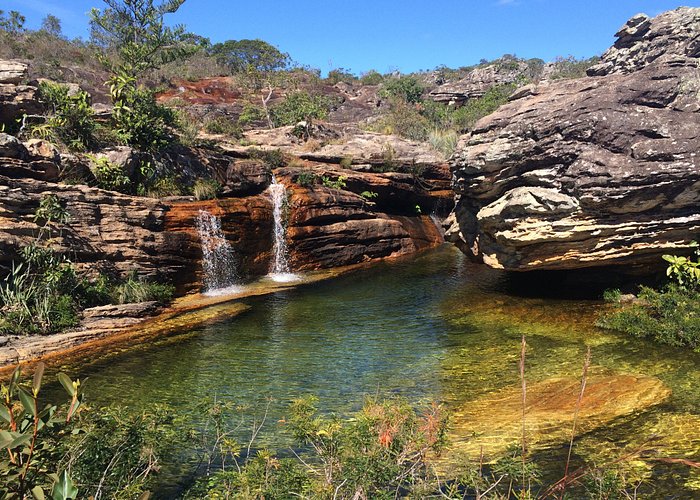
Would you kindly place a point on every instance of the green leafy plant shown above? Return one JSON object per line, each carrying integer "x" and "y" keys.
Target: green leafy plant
{"x": 223, "y": 126}
{"x": 683, "y": 270}
{"x": 306, "y": 178}
{"x": 300, "y": 106}
{"x": 338, "y": 183}
{"x": 465, "y": 118}
{"x": 110, "y": 176}
{"x": 71, "y": 118}
{"x": 29, "y": 434}
{"x": 405, "y": 88}
{"x": 272, "y": 158}
{"x": 369, "y": 194}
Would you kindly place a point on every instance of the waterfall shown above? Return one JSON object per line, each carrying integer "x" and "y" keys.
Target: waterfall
{"x": 279, "y": 267}
{"x": 217, "y": 256}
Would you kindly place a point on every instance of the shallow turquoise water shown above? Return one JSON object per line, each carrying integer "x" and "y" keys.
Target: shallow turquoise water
{"x": 431, "y": 328}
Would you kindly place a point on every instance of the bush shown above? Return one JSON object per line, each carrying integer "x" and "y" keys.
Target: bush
{"x": 306, "y": 178}
{"x": 372, "y": 77}
{"x": 250, "y": 115}
{"x": 272, "y": 158}
{"x": 223, "y": 126}
{"x": 205, "y": 189}
{"x": 338, "y": 183}
{"x": 110, "y": 176}
{"x": 301, "y": 106}
{"x": 405, "y": 88}
{"x": 135, "y": 289}
{"x": 70, "y": 116}
{"x": 669, "y": 316}
{"x": 340, "y": 75}
{"x": 405, "y": 120}
{"x": 444, "y": 141}
{"x": 570, "y": 67}
{"x": 465, "y": 118}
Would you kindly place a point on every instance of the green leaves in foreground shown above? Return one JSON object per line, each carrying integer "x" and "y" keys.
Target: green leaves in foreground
{"x": 28, "y": 433}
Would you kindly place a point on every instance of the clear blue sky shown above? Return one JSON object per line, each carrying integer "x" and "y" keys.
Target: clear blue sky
{"x": 407, "y": 35}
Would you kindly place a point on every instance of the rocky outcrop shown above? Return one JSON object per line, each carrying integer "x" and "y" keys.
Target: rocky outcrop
{"x": 329, "y": 227}
{"x": 479, "y": 81}
{"x": 594, "y": 171}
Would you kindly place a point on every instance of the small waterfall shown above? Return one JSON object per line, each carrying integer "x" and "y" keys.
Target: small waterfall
{"x": 279, "y": 267}
{"x": 218, "y": 258}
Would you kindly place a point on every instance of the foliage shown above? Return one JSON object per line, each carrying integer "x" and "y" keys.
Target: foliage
{"x": 272, "y": 158}
{"x": 381, "y": 452}
{"x": 119, "y": 452}
{"x": 110, "y": 176}
{"x": 30, "y": 433}
{"x": 135, "y": 37}
{"x": 670, "y": 316}
{"x": 405, "y": 88}
{"x": 224, "y": 126}
{"x": 444, "y": 141}
{"x": 570, "y": 67}
{"x": 372, "y": 77}
{"x": 12, "y": 22}
{"x": 369, "y": 194}
{"x": 70, "y": 116}
{"x": 301, "y": 106}
{"x": 466, "y": 117}
{"x": 403, "y": 119}
{"x": 134, "y": 31}
{"x": 138, "y": 119}
{"x": 306, "y": 178}
{"x": 338, "y": 183}
{"x": 52, "y": 25}
{"x": 340, "y": 75}
{"x": 346, "y": 162}
{"x": 135, "y": 289}
{"x": 249, "y": 56}
{"x": 205, "y": 189}
{"x": 250, "y": 115}
{"x": 684, "y": 271}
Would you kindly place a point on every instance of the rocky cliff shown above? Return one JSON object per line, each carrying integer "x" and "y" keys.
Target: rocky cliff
{"x": 594, "y": 171}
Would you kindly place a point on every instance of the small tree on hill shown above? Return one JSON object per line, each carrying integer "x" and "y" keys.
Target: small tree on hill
{"x": 134, "y": 39}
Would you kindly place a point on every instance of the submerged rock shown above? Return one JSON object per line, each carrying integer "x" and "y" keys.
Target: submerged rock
{"x": 589, "y": 172}
{"x": 494, "y": 423}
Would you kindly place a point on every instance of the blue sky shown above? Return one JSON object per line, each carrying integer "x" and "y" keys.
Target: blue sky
{"x": 407, "y": 35}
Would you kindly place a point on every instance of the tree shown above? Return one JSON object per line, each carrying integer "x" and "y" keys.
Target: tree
{"x": 52, "y": 25}
{"x": 250, "y": 56}
{"x": 135, "y": 39}
{"x": 134, "y": 31}
{"x": 406, "y": 88}
{"x": 14, "y": 23}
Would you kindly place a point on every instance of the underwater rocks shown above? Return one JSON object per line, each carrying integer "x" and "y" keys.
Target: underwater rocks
{"x": 494, "y": 422}
{"x": 594, "y": 171}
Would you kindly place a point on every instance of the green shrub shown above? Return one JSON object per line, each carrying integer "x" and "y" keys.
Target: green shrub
{"x": 369, "y": 194}
{"x": 670, "y": 316}
{"x": 168, "y": 185}
{"x": 346, "y": 162}
{"x": 465, "y": 118}
{"x": 138, "y": 119}
{"x": 205, "y": 189}
{"x": 404, "y": 88}
{"x": 372, "y": 77}
{"x": 110, "y": 176}
{"x": 340, "y": 75}
{"x": 570, "y": 67}
{"x": 135, "y": 289}
{"x": 306, "y": 178}
{"x": 223, "y": 126}
{"x": 405, "y": 120}
{"x": 444, "y": 141}
{"x": 300, "y": 106}
{"x": 251, "y": 114}
{"x": 338, "y": 183}
{"x": 70, "y": 117}
{"x": 272, "y": 158}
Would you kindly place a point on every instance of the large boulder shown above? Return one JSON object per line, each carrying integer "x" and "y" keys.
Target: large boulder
{"x": 12, "y": 72}
{"x": 594, "y": 171}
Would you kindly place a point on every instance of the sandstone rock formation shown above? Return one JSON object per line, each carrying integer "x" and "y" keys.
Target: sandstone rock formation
{"x": 594, "y": 171}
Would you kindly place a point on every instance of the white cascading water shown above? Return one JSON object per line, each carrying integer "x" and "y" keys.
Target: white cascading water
{"x": 279, "y": 267}
{"x": 218, "y": 259}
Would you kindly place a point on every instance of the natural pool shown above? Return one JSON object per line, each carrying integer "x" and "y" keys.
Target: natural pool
{"x": 434, "y": 327}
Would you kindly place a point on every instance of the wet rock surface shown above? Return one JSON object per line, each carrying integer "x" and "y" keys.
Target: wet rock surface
{"x": 494, "y": 422}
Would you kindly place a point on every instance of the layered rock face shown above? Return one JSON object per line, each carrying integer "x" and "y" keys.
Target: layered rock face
{"x": 594, "y": 171}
